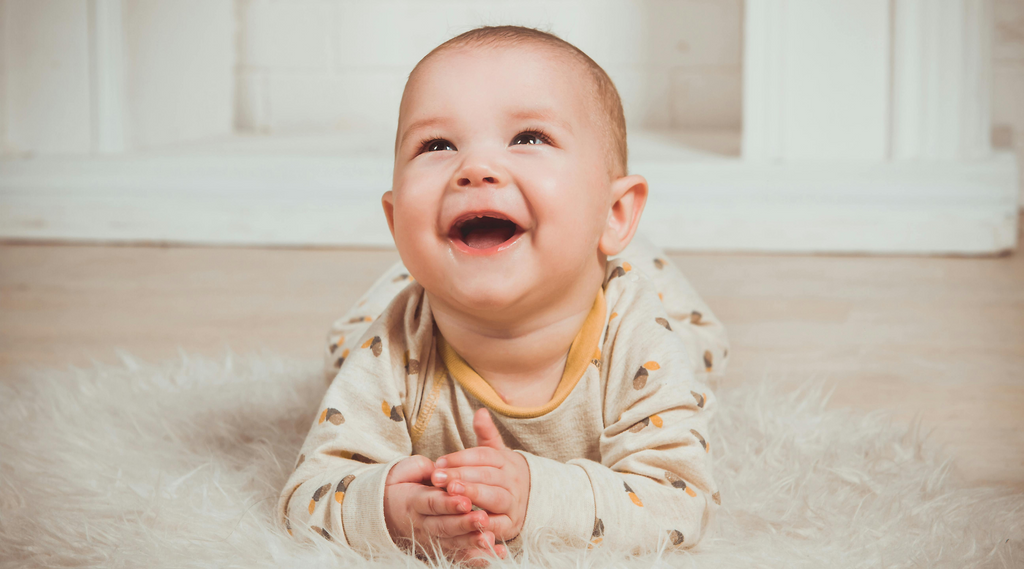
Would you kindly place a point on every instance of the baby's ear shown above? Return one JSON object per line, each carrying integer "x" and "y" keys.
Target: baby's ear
{"x": 388, "y": 201}
{"x": 629, "y": 195}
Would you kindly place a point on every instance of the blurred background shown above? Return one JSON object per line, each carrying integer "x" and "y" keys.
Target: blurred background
{"x": 878, "y": 126}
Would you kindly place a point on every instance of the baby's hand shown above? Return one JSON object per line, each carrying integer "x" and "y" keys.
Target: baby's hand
{"x": 412, "y": 509}
{"x": 495, "y": 478}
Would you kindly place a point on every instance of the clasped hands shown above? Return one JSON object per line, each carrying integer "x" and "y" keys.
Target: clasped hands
{"x": 427, "y": 501}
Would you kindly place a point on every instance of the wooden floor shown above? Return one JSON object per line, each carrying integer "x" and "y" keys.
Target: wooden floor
{"x": 939, "y": 338}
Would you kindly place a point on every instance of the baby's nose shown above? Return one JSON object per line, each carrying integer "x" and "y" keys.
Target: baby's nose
{"x": 485, "y": 179}
{"x": 477, "y": 174}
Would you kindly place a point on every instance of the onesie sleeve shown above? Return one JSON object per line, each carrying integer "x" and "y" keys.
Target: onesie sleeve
{"x": 336, "y": 492}
{"x": 653, "y": 485}
{"x": 346, "y": 331}
{"x": 707, "y": 345}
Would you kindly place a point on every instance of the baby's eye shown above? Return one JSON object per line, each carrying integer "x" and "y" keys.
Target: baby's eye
{"x": 529, "y": 138}
{"x": 437, "y": 145}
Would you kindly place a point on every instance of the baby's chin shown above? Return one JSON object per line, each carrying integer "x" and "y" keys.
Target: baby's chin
{"x": 490, "y": 296}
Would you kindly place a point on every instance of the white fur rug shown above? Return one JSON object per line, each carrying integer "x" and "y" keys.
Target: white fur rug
{"x": 179, "y": 465}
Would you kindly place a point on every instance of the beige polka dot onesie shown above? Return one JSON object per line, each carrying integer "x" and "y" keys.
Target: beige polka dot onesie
{"x": 619, "y": 457}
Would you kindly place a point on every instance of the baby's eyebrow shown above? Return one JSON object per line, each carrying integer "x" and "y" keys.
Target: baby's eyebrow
{"x": 542, "y": 115}
{"x": 421, "y": 124}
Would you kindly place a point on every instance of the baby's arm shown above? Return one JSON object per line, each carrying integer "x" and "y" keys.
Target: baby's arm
{"x": 653, "y": 484}
{"x": 356, "y": 484}
{"x": 690, "y": 317}
{"x": 344, "y": 334}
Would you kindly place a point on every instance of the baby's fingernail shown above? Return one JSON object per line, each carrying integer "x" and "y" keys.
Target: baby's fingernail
{"x": 440, "y": 463}
{"x": 441, "y": 477}
{"x": 464, "y": 507}
{"x": 455, "y": 488}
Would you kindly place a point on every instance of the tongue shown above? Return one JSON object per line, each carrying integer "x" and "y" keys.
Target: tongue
{"x": 486, "y": 237}
{"x": 487, "y": 232}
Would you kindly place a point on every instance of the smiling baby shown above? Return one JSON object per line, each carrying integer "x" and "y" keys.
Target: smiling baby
{"x": 524, "y": 374}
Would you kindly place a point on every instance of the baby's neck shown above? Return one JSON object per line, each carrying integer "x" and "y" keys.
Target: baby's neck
{"x": 522, "y": 360}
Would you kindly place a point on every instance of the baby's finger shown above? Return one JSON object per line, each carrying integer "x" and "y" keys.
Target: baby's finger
{"x": 476, "y": 540}
{"x": 475, "y": 474}
{"x": 502, "y": 527}
{"x": 494, "y": 499}
{"x": 416, "y": 468}
{"x": 452, "y": 526}
{"x": 437, "y": 502}
{"x": 476, "y": 456}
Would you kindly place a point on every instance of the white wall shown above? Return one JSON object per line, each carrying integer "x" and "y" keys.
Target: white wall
{"x": 46, "y": 69}
{"x": 178, "y": 60}
{"x": 74, "y": 71}
{"x": 327, "y": 65}
{"x": 1008, "y": 80}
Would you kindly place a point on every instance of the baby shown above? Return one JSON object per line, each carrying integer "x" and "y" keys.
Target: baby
{"x": 518, "y": 382}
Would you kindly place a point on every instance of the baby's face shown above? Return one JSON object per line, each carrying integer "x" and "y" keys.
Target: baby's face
{"x": 501, "y": 186}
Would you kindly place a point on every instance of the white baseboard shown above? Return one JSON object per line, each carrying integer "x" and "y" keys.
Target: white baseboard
{"x": 697, "y": 202}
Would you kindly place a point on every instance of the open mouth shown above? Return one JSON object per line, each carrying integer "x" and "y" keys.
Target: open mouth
{"x": 484, "y": 231}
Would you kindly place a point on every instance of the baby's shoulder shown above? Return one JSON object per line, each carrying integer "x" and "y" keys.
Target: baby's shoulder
{"x": 394, "y": 341}
{"x": 638, "y": 323}
{"x": 628, "y": 288}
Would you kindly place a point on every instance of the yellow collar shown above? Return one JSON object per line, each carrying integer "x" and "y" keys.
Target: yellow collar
{"x": 581, "y": 353}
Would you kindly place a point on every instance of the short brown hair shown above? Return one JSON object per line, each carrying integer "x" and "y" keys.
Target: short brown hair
{"x": 603, "y": 92}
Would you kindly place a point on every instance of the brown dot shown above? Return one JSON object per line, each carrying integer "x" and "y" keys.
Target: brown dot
{"x": 616, "y": 272}
{"x": 699, "y": 397}
{"x": 717, "y": 498}
{"x": 695, "y": 317}
{"x": 323, "y": 533}
{"x": 659, "y": 263}
{"x": 664, "y": 323}
{"x": 676, "y": 536}
{"x": 675, "y": 480}
{"x": 345, "y": 482}
{"x": 703, "y": 443}
{"x": 632, "y": 495}
{"x": 396, "y": 414}
{"x": 639, "y": 425}
{"x": 640, "y": 379}
{"x": 707, "y": 360}
{"x": 598, "y": 528}
{"x": 339, "y": 492}
{"x": 319, "y": 493}
{"x": 334, "y": 416}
